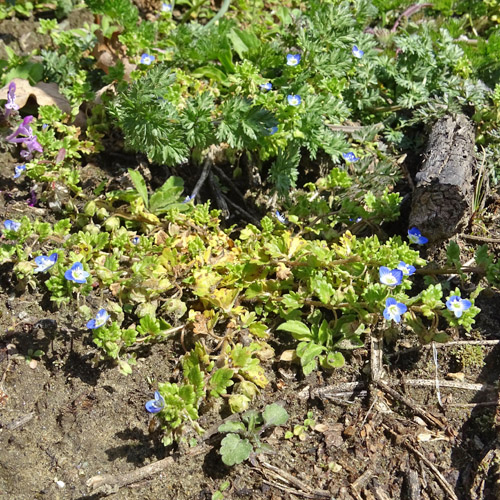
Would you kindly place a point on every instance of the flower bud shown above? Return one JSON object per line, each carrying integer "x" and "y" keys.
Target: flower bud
{"x": 111, "y": 223}
{"x": 90, "y": 208}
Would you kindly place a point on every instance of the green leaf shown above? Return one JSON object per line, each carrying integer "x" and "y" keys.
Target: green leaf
{"x": 140, "y": 185}
{"x": 234, "y": 427}
{"x": 220, "y": 381}
{"x": 167, "y": 194}
{"x": 453, "y": 254}
{"x": 275, "y": 414}
{"x": 235, "y": 450}
{"x": 299, "y": 330}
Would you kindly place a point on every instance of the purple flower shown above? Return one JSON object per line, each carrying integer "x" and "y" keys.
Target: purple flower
{"x": 44, "y": 263}
{"x": 350, "y": 157}
{"x": 166, "y": 7}
{"x": 76, "y": 273}
{"x": 415, "y": 236}
{"x": 390, "y": 277}
{"x": 101, "y": 317}
{"x": 280, "y": 217}
{"x": 457, "y": 305}
{"x": 266, "y": 86}
{"x": 356, "y": 52}
{"x": 23, "y": 129}
{"x": 294, "y": 100}
{"x": 406, "y": 269}
{"x": 19, "y": 169}
{"x": 11, "y": 105}
{"x": 394, "y": 309}
{"x": 292, "y": 59}
{"x": 147, "y": 59}
{"x": 11, "y": 225}
{"x": 157, "y": 404}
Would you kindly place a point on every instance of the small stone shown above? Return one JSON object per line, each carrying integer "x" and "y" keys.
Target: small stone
{"x": 22, "y": 315}
{"x": 60, "y": 484}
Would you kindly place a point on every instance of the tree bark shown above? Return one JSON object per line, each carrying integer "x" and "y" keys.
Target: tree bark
{"x": 442, "y": 200}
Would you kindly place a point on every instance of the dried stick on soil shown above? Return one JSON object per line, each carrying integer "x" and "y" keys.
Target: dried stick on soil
{"x": 439, "y": 477}
{"x": 484, "y": 239}
{"x": 428, "y": 417}
{"x": 449, "y": 383}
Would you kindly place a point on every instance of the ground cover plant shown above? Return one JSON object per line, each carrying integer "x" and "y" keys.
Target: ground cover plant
{"x": 205, "y": 232}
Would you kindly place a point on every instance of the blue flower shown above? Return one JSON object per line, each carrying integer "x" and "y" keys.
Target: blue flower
{"x": 356, "y": 52}
{"x": 187, "y": 199}
{"x": 157, "y": 404}
{"x": 390, "y": 277}
{"x": 45, "y": 262}
{"x": 294, "y": 100}
{"x": 457, "y": 305}
{"x": 76, "y": 273}
{"x": 19, "y": 169}
{"x": 415, "y": 236}
{"x": 292, "y": 59}
{"x": 101, "y": 318}
{"x": 147, "y": 59}
{"x": 266, "y": 86}
{"x": 11, "y": 225}
{"x": 135, "y": 240}
{"x": 280, "y": 217}
{"x": 350, "y": 157}
{"x": 272, "y": 130}
{"x": 166, "y": 7}
{"x": 406, "y": 269}
{"x": 359, "y": 219}
{"x": 394, "y": 309}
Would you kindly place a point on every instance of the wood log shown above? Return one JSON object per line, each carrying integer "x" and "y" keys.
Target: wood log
{"x": 442, "y": 199}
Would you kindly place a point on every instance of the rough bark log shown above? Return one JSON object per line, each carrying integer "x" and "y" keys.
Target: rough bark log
{"x": 442, "y": 200}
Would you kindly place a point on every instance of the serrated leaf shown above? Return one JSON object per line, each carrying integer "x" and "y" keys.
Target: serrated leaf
{"x": 299, "y": 330}
{"x": 275, "y": 414}
{"x": 235, "y": 450}
{"x": 140, "y": 185}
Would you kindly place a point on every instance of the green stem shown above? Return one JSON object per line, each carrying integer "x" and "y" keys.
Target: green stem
{"x": 223, "y": 9}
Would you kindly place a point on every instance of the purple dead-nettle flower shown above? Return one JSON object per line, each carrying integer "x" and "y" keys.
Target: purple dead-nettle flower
{"x": 266, "y": 86}
{"x": 394, "y": 309}
{"x": 11, "y": 105}
{"x": 406, "y": 269}
{"x": 101, "y": 317}
{"x": 147, "y": 59}
{"x": 390, "y": 277}
{"x": 23, "y": 129}
{"x": 166, "y": 7}
{"x": 457, "y": 305}
{"x": 292, "y": 59}
{"x": 280, "y": 217}
{"x": 415, "y": 236}
{"x": 32, "y": 201}
{"x": 294, "y": 100}
{"x": 357, "y": 52}
{"x": 76, "y": 273}
{"x": 157, "y": 404}
{"x": 19, "y": 169}
{"x": 350, "y": 157}
{"x": 11, "y": 225}
{"x": 45, "y": 262}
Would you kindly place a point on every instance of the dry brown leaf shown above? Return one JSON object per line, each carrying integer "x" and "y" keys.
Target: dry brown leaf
{"x": 46, "y": 94}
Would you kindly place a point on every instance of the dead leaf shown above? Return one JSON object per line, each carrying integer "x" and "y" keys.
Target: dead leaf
{"x": 45, "y": 94}
{"x": 288, "y": 355}
{"x": 456, "y": 376}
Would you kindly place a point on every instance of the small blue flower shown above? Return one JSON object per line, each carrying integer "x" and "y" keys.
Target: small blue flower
{"x": 359, "y": 219}
{"x": 415, "y": 236}
{"x": 45, "y": 262}
{"x": 294, "y": 100}
{"x": 356, "y": 52}
{"x": 406, "y": 269}
{"x": 187, "y": 199}
{"x": 394, "y": 309}
{"x": 457, "y": 305}
{"x": 11, "y": 225}
{"x": 76, "y": 273}
{"x": 166, "y": 7}
{"x": 135, "y": 240}
{"x": 147, "y": 59}
{"x": 350, "y": 157}
{"x": 19, "y": 169}
{"x": 101, "y": 317}
{"x": 266, "y": 86}
{"x": 390, "y": 277}
{"x": 157, "y": 404}
{"x": 280, "y": 217}
{"x": 293, "y": 59}
{"x": 272, "y": 130}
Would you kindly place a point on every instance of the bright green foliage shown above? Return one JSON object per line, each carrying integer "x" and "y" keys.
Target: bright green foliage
{"x": 243, "y": 438}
